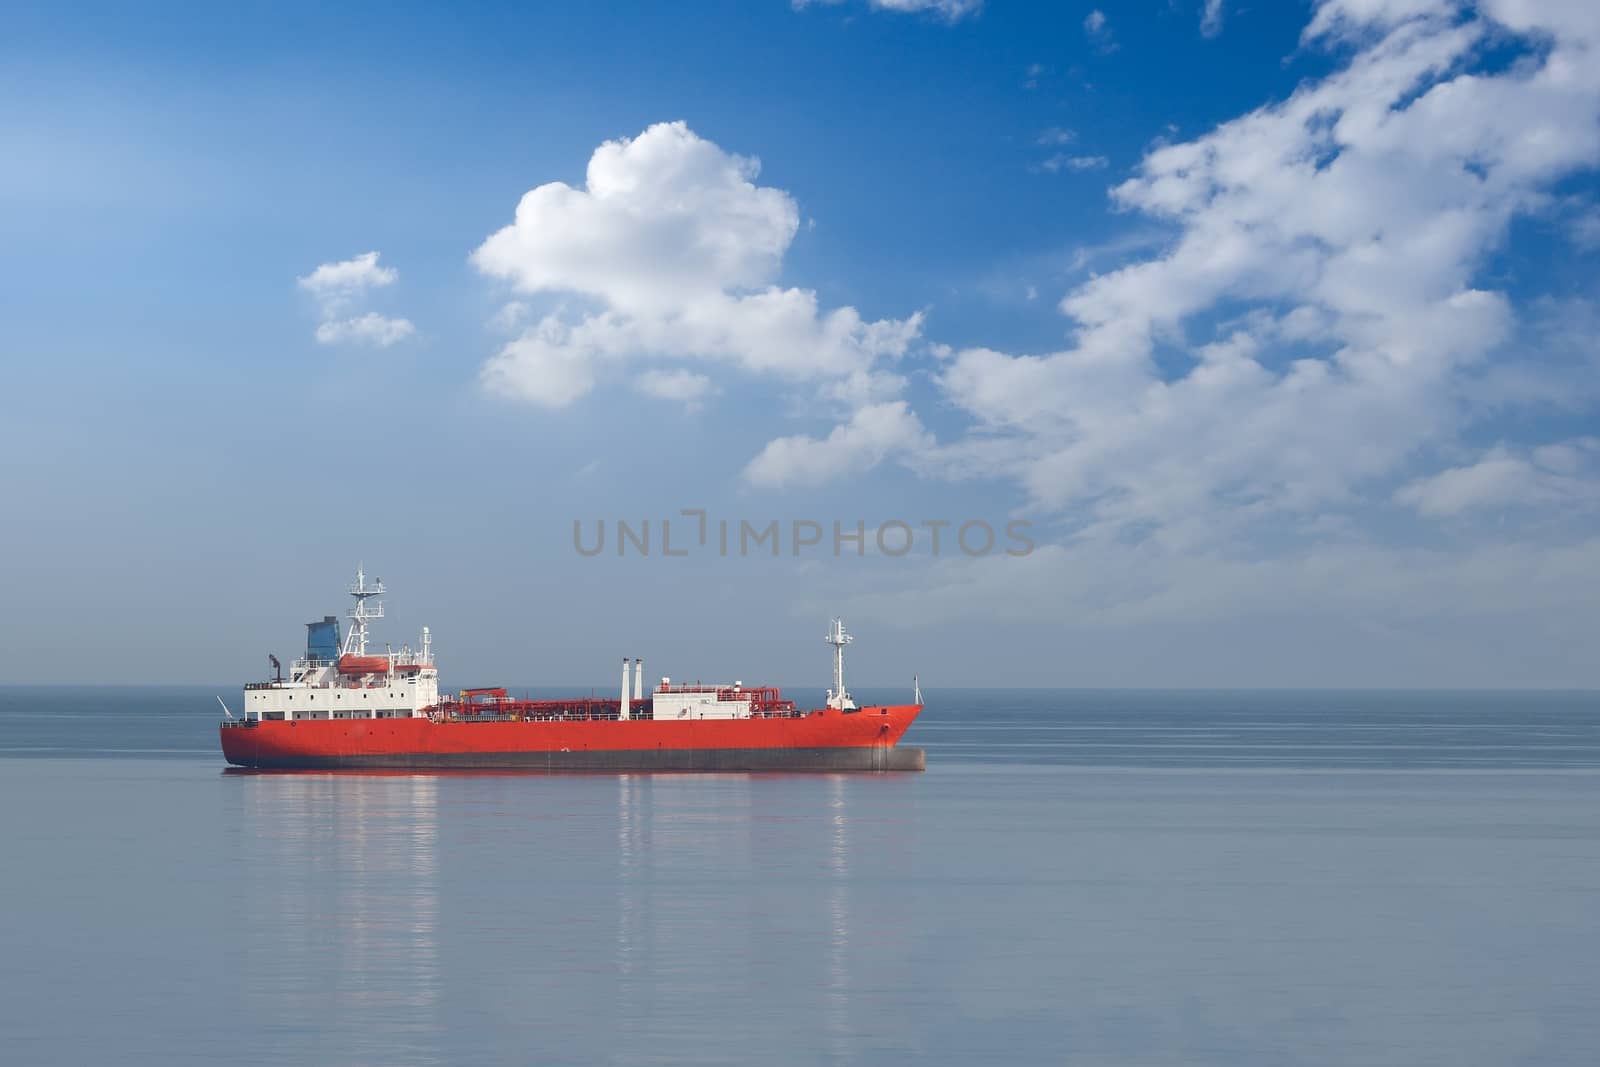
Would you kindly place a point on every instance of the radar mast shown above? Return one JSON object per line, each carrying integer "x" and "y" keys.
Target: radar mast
{"x": 838, "y": 696}
{"x": 355, "y": 642}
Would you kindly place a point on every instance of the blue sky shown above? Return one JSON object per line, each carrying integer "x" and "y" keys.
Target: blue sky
{"x": 1275, "y": 322}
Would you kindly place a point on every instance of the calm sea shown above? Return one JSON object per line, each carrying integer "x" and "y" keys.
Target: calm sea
{"x": 1080, "y": 877}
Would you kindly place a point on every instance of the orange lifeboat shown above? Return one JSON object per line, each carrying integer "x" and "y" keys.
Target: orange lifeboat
{"x": 363, "y": 664}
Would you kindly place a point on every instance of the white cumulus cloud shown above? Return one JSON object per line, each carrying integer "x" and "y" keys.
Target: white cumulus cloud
{"x": 348, "y": 278}
{"x": 1311, "y": 320}
{"x": 371, "y": 328}
{"x": 541, "y": 367}
{"x": 338, "y": 285}
{"x": 675, "y": 250}
{"x": 872, "y": 434}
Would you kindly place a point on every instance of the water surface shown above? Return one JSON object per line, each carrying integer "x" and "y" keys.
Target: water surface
{"x": 1155, "y": 878}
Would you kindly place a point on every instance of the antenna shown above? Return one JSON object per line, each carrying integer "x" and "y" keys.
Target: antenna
{"x": 916, "y": 691}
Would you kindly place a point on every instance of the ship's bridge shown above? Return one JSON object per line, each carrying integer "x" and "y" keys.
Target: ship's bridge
{"x": 339, "y": 680}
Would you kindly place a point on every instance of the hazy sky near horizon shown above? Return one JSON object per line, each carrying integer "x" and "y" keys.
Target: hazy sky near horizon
{"x": 1278, "y": 325}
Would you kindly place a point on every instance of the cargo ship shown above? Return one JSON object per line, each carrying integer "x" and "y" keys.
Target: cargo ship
{"x": 343, "y": 706}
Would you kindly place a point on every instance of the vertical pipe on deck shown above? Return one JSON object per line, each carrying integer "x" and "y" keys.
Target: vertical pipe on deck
{"x": 624, "y": 706}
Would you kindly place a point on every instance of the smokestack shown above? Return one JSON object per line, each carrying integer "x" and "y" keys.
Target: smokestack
{"x": 638, "y": 679}
{"x": 624, "y": 705}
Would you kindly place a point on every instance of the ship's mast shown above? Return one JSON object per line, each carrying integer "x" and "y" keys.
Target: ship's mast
{"x": 838, "y": 696}
{"x": 355, "y": 642}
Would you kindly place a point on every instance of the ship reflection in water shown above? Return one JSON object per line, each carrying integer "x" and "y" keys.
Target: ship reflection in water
{"x": 979, "y": 915}
{"x": 733, "y": 914}
{"x": 838, "y": 922}
{"x": 341, "y": 924}
{"x": 404, "y": 918}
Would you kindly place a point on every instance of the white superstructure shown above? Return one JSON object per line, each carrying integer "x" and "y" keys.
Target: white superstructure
{"x": 701, "y": 701}
{"x": 335, "y": 680}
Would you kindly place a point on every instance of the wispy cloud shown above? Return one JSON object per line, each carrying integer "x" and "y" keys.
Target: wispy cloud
{"x": 1563, "y": 474}
{"x": 1584, "y": 229}
{"x": 683, "y": 386}
{"x": 1061, "y": 161}
{"x": 948, "y": 10}
{"x": 1098, "y": 29}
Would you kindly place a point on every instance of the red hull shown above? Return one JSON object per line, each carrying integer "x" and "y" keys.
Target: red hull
{"x": 819, "y": 740}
